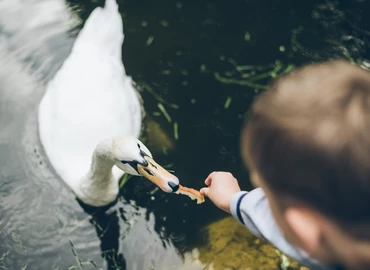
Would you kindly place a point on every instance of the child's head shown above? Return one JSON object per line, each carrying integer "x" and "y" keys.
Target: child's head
{"x": 308, "y": 141}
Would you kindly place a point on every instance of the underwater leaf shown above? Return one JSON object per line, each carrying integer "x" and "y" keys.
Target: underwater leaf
{"x": 164, "y": 112}
{"x": 176, "y": 131}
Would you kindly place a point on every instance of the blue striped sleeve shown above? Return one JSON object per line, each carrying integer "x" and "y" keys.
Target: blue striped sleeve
{"x": 252, "y": 209}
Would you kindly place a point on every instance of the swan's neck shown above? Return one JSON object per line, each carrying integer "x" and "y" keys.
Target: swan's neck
{"x": 99, "y": 187}
{"x": 101, "y": 169}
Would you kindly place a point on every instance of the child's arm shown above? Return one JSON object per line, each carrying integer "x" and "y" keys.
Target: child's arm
{"x": 253, "y": 211}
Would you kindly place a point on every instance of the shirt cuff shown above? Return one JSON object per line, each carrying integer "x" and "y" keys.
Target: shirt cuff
{"x": 235, "y": 205}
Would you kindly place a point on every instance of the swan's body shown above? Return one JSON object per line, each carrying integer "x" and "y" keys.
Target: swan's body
{"x": 89, "y": 100}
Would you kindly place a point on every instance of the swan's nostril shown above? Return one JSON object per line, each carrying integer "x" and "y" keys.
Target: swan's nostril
{"x": 173, "y": 186}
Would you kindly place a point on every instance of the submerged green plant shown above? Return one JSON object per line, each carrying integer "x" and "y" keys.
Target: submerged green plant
{"x": 149, "y": 41}
{"x": 2, "y": 258}
{"x": 160, "y": 99}
{"x": 111, "y": 256}
{"x": 164, "y": 23}
{"x": 228, "y": 102}
{"x": 124, "y": 179}
{"x": 238, "y": 81}
{"x": 78, "y": 261}
{"x": 17, "y": 239}
{"x": 164, "y": 112}
{"x": 253, "y": 75}
{"x": 176, "y": 131}
{"x": 296, "y": 45}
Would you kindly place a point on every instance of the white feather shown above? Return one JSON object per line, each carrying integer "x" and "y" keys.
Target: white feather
{"x": 90, "y": 99}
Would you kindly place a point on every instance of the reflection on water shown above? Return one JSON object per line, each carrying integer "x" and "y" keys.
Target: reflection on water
{"x": 198, "y": 65}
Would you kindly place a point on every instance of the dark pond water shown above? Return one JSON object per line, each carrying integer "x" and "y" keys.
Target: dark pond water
{"x": 209, "y": 58}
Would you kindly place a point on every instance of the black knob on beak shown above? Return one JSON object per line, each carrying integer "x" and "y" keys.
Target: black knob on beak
{"x": 173, "y": 186}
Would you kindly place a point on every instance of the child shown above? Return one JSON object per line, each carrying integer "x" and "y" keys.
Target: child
{"x": 306, "y": 144}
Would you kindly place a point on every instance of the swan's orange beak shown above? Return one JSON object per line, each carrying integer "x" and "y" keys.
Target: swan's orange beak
{"x": 159, "y": 176}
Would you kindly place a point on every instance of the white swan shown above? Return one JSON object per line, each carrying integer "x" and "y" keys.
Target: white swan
{"x": 90, "y": 116}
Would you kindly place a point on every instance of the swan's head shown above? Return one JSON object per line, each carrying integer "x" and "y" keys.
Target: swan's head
{"x": 133, "y": 157}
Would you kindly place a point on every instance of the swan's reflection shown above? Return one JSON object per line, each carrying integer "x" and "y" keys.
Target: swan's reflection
{"x": 106, "y": 223}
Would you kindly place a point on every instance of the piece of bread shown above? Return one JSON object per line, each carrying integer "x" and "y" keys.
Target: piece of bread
{"x": 192, "y": 193}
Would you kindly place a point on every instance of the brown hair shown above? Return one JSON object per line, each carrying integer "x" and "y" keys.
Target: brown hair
{"x": 308, "y": 137}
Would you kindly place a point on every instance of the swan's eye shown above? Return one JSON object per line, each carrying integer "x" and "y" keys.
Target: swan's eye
{"x": 138, "y": 145}
{"x": 143, "y": 154}
{"x": 123, "y": 162}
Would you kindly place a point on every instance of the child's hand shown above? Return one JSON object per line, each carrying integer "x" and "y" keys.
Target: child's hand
{"x": 222, "y": 186}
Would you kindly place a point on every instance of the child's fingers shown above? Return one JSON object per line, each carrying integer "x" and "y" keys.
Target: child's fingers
{"x": 208, "y": 181}
{"x": 209, "y": 178}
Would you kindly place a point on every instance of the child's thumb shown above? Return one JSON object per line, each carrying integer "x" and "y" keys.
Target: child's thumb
{"x": 204, "y": 191}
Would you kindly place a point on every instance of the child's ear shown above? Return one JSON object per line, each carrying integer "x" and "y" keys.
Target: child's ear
{"x": 305, "y": 225}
